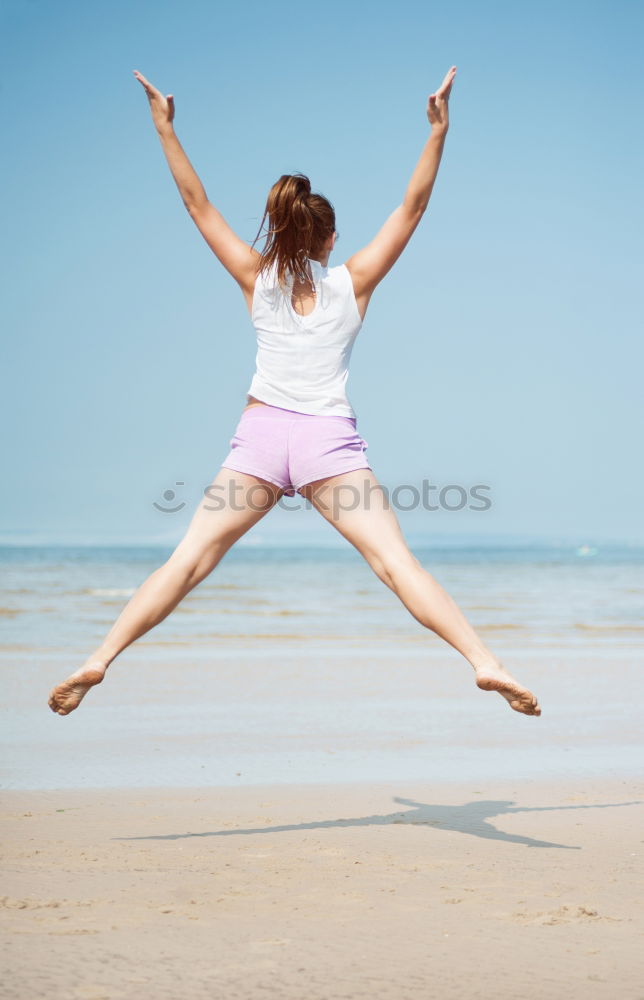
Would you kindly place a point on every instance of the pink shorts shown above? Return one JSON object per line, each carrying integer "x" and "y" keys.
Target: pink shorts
{"x": 291, "y": 449}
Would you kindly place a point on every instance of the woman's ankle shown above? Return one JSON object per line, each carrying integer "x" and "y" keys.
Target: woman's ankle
{"x": 482, "y": 662}
{"x": 100, "y": 658}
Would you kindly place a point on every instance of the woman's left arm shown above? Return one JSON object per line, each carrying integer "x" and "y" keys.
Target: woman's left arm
{"x": 240, "y": 260}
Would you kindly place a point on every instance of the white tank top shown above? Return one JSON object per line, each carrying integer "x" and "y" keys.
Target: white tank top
{"x": 302, "y": 362}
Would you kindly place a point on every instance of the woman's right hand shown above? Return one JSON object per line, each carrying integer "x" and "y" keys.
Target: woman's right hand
{"x": 162, "y": 108}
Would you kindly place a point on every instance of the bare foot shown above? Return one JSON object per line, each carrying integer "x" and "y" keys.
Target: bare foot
{"x": 494, "y": 677}
{"x": 67, "y": 696}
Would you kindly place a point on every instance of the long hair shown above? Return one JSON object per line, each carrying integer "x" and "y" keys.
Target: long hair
{"x": 299, "y": 223}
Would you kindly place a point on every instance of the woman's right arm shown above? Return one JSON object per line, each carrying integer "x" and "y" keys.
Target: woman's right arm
{"x": 370, "y": 265}
{"x": 236, "y": 256}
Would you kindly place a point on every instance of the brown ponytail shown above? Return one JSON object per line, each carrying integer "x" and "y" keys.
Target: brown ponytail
{"x": 299, "y": 224}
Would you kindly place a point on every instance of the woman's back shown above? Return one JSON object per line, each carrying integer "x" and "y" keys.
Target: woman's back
{"x": 302, "y": 361}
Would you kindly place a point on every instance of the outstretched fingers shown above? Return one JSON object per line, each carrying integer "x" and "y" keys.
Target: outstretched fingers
{"x": 149, "y": 88}
{"x": 446, "y": 86}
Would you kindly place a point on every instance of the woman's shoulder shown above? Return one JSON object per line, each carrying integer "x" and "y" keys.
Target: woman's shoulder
{"x": 340, "y": 273}
{"x": 266, "y": 277}
{"x": 342, "y": 278}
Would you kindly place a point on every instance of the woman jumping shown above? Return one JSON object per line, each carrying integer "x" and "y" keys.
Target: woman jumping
{"x": 297, "y": 431}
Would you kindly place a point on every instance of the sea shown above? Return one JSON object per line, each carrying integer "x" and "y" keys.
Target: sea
{"x": 294, "y": 663}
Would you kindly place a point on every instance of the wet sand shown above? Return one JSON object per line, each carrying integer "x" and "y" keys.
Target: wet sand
{"x": 393, "y": 891}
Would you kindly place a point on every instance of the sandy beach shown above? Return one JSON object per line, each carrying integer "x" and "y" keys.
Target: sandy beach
{"x": 485, "y": 889}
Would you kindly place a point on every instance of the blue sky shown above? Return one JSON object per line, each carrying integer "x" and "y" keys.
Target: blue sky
{"x": 504, "y": 348}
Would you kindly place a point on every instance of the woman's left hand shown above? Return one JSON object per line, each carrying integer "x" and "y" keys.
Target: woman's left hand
{"x": 437, "y": 112}
{"x": 161, "y": 108}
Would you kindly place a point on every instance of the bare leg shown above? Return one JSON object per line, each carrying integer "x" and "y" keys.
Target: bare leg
{"x": 210, "y": 535}
{"x": 356, "y": 506}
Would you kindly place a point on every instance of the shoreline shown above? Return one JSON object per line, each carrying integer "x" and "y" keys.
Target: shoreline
{"x": 548, "y": 784}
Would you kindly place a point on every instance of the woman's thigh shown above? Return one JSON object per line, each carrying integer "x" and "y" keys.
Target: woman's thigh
{"x": 358, "y": 506}
{"x": 231, "y": 504}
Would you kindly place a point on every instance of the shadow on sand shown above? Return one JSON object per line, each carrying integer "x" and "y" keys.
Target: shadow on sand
{"x": 471, "y": 818}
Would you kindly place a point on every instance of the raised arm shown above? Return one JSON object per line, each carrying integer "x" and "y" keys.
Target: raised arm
{"x": 369, "y": 265}
{"x": 236, "y": 256}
